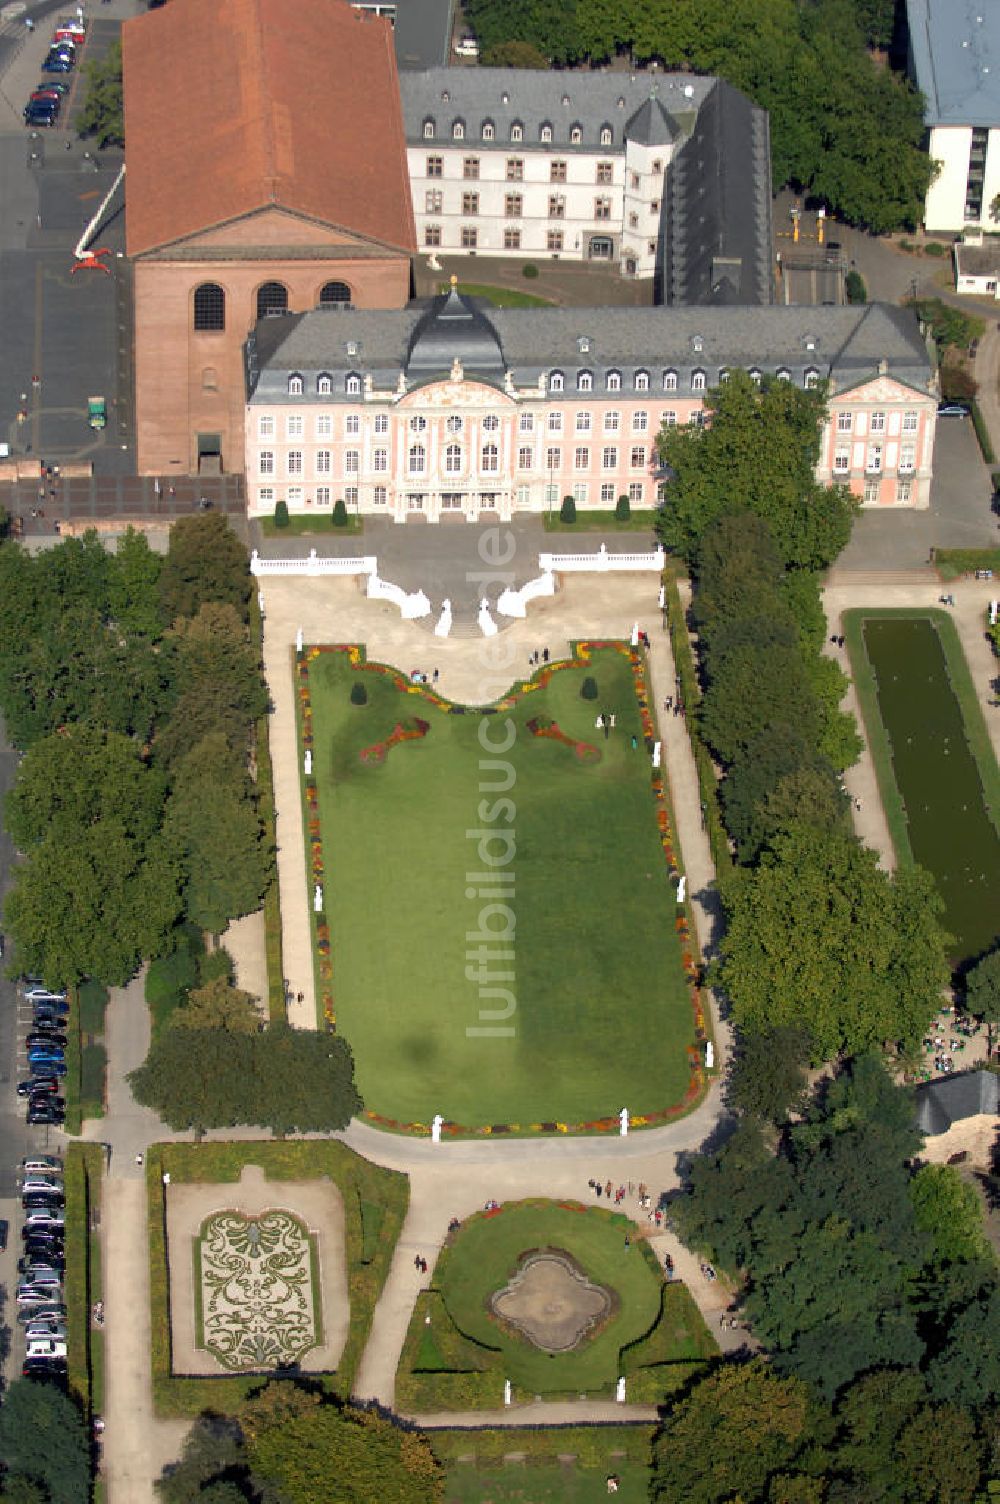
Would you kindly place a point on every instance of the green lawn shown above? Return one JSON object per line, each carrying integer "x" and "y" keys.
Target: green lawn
{"x": 305, "y": 525}
{"x": 544, "y": 1483}
{"x": 457, "y": 1354}
{"x": 602, "y": 1014}
{"x": 601, "y": 520}
{"x": 500, "y": 297}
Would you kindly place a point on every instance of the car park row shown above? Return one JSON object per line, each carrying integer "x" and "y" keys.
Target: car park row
{"x": 45, "y": 1047}
{"x": 41, "y": 1309}
{"x": 45, "y": 102}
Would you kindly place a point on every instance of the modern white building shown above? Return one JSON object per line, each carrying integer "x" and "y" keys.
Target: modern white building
{"x": 954, "y": 59}
{"x": 514, "y": 162}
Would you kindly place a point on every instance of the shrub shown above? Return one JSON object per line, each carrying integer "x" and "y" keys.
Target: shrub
{"x": 623, "y": 509}
{"x": 567, "y": 512}
{"x": 280, "y": 514}
{"x": 359, "y": 695}
{"x": 214, "y": 964}
{"x": 588, "y": 689}
{"x": 854, "y": 286}
{"x": 340, "y": 512}
{"x": 935, "y": 248}
{"x": 529, "y": 270}
{"x": 957, "y": 384}
{"x": 93, "y": 1001}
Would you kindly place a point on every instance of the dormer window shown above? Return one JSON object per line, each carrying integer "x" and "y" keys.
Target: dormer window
{"x": 489, "y": 130}
{"x": 783, "y": 373}
{"x": 445, "y": 97}
{"x": 352, "y": 385}
{"x": 811, "y": 378}
{"x": 697, "y": 381}
{"x": 428, "y": 130}
{"x": 642, "y": 381}
{"x": 614, "y": 381}
{"x": 517, "y": 131}
{"x": 621, "y": 101}
{"x": 755, "y": 375}
{"x": 583, "y": 344}
{"x": 670, "y": 381}
{"x": 565, "y": 101}
{"x": 723, "y": 374}
{"x": 607, "y": 135}
{"x": 545, "y": 134}
{"x": 458, "y": 130}
{"x": 575, "y": 134}
{"x": 505, "y": 97}
{"x": 295, "y": 386}
{"x": 556, "y": 381}
{"x": 324, "y": 386}
{"x": 697, "y": 344}
{"x": 810, "y": 341}
{"x": 585, "y": 381}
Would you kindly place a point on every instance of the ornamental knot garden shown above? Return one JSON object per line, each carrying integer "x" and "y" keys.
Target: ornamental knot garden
{"x": 257, "y": 1285}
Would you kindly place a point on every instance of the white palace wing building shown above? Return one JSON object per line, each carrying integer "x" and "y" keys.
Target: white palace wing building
{"x": 450, "y": 408}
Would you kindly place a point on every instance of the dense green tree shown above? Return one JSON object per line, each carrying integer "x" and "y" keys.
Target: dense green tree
{"x": 737, "y": 566}
{"x": 212, "y": 826}
{"x": 43, "y": 1438}
{"x": 339, "y": 1455}
{"x": 219, "y": 1005}
{"x": 133, "y": 586}
{"x": 17, "y": 1489}
{"x": 78, "y": 777}
{"x": 752, "y": 690}
{"x": 809, "y": 796}
{"x": 289, "y": 1080}
{"x": 773, "y": 754}
{"x": 206, "y": 563}
{"x": 514, "y": 55}
{"x": 769, "y": 1072}
{"x": 758, "y": 453}
{"x": 982, "y": 991}
{"x": 726, "y": 1438}
{"x": 950, "y": 1211}
{"x": 966, "y": 1369}
{"x": 213, "y": 1452}
{"x": 103, "y": 113}
{"x": 951, "y": 328}
{"x": 819, "y": 934}
{"x": 223, "y": 686}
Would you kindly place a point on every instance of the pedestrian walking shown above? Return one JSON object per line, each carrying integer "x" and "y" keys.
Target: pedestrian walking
{"x": 416, "y": 1262}
{"x": 435, "y": 676}
{"x": 138, "y": 1160}
{"x": 608, "y": 1189}
{"x": 635, "y": 743}
{"x": 545, "y": 655}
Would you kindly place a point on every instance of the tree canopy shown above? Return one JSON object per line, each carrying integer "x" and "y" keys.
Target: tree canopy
{"x": 43, "y": 1441}
{"x": 757, "y": 453}
{"x": 103, "y": 113}
{"x": 817, "y": 934}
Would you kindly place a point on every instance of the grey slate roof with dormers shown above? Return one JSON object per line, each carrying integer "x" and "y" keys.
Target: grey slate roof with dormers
{"x": 844, "y": 344}
{"x": 532, "y": 98}
{"x": 954, "y": 48}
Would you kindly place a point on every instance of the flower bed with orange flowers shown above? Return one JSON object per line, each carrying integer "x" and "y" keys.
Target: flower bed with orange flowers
{"x": 540, "y": 726}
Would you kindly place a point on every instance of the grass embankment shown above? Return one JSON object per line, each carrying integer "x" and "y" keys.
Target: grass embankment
{"x": 460, "y": 1358}
{"x": 500, "y": 297}
{"x": 83, "y": 1181}
{"x": 601, "y": 521}
{"x": 950, "y": 563}
{"x": 362, "y": 1186}
{"x": 592, "y": 1007}
{"x": 308, "y": 526}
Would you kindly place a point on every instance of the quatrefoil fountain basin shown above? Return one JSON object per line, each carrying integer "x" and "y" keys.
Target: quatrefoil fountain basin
{"x": 551, "y": 1301}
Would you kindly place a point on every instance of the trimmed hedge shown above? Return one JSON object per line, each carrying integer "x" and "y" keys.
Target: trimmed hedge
{"x": 952, "y": 562}
{"x": 93, "y": 1071}
{"x": 72, "y": 1083}
{"x": 982, "y": 433}
{"x": 83, "y": 1284}
{"x": 272, "y": 897}
{"x": 359, "y": 1181}
{"x": 687, "y": 673}
{"x": 590, "y": 1445}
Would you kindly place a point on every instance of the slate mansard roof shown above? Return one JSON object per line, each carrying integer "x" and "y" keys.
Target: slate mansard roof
{"x": 652, "y": 108}
{"x": 952, "y": 1098}
{"x": 954, "y": 50}
{"x": 422, "y": 341}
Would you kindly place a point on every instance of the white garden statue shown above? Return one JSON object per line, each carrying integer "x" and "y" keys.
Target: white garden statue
{"x": 623, "y": 1122}
{"x": 635, "y": 635}
{"x": 709, "y": 1054}
{"x": 437, "y": 1123}
{"x": 682, "y": 888}
{"x": 308, "y": 763}
{"x": 620, "y": 1391}
{"x": 442, "y": 627}
{"x": 506, "y": 1391}
{"x": 657, "y": 748}
{"x": 318, "y": 899}
{"x": 299, "y": 640}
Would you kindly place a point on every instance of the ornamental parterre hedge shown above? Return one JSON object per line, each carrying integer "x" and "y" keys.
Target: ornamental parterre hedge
{"x": 362, "y": 1185}
{"x": 582, "y": 653}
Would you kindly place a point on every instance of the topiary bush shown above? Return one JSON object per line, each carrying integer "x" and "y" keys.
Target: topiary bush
{"x": 529, "y": 270}
{"x": 623, "y": 509}
{"x": 359, "y": 694}
{"x": 281, "y": 514}
{"x": 340, "y": 512}
{"x": 588, "y": 689}
{"x": 854, "y": 286}
{"x": 567, "y": 512}
{"x": 935, "y": 248}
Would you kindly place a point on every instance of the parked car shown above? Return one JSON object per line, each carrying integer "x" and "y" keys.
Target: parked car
{"x": 41, "y": 114}
{"x": 31, "y": 1292}
{"x": 46, "y": 1102}
{"x": 40, "y": 1164}
{"x": 4, "y": 1230}
{"x": 50, "y": 1370}
{"x": 47, "y": 1068}
{"x": 41, "y": 1114}
{"x": 46, "y": 1037}
{"x": 45, "y": 1054}
{"x": 47, "y": 1182}
{"x": 53, "y": 1201}
{"x": 53, "y": 86}
{"x": 57, "y": 64}
{"x": 953, "y": 410}
{"x": 43, "y": 1220}
{"x": 38, "y": 991}
{"x": 71, "y": 30}
{"x": 45, "y": 1347}
{"x": 30, "y": 1265}
{"x": 41, "y": 1252}
{"x": 48, "y": 1309}
{"x": 34, "y": 1086}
